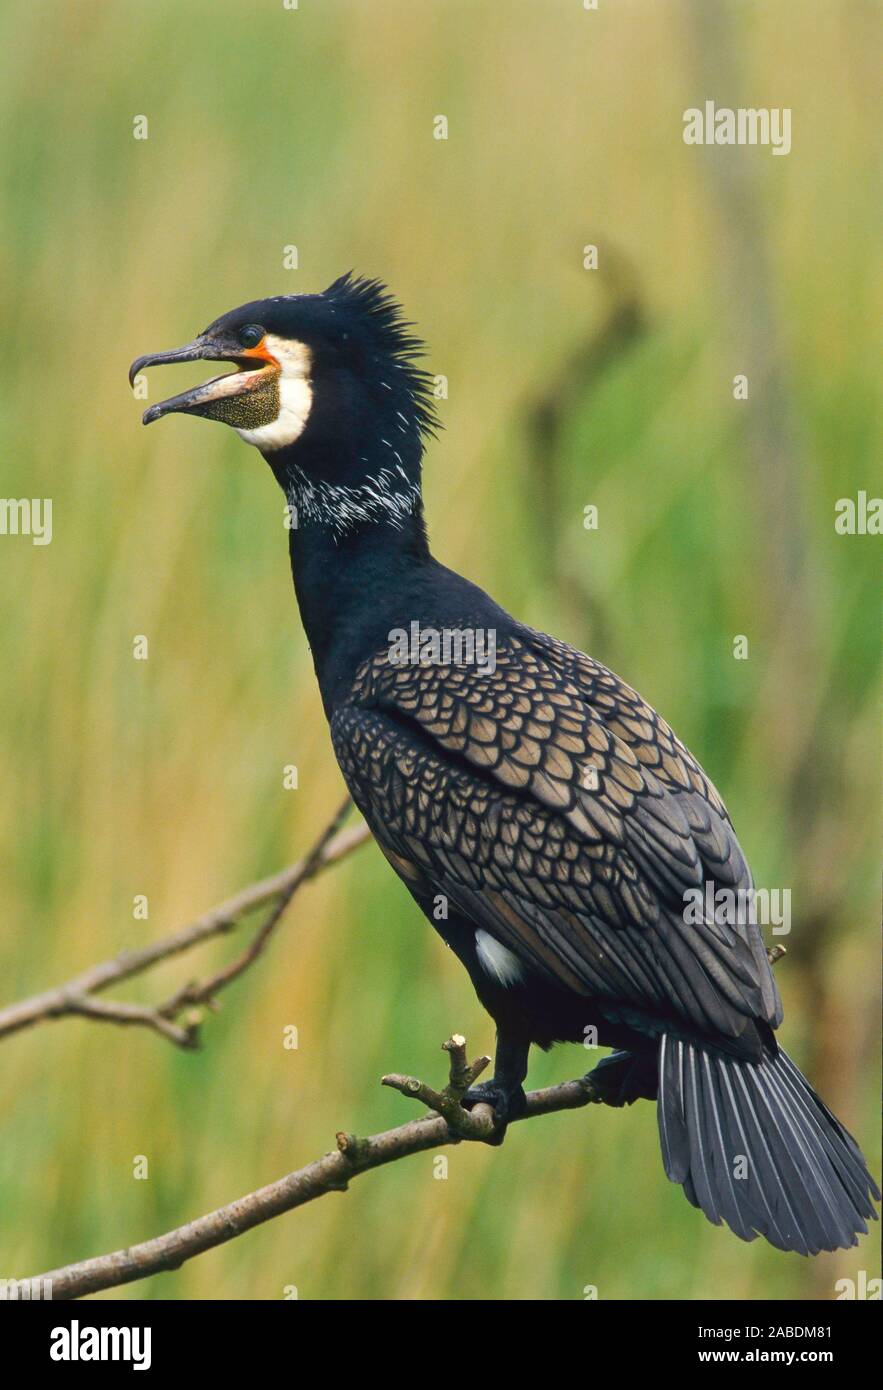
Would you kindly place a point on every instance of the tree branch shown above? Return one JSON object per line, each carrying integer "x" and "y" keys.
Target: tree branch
{"x": 477, "y": 1123}
{"x": 448, "y": 1122}
{"x": 331, "y": 1173}
{"x": 76, "y": 996}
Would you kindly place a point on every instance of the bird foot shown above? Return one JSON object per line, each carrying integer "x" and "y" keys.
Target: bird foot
{"x": 623, "y": 1078}
{"x": 475, "y": 1121}
{"x": 508, "y": 1103}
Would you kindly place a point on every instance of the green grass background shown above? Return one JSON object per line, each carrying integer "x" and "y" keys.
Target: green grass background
{"x": 313, "y": 127}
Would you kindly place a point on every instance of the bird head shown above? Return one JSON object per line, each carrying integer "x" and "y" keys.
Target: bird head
{"x": 318, "y": 368}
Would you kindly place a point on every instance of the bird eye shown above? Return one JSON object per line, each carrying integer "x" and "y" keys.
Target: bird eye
{"x": 250, "y": 335}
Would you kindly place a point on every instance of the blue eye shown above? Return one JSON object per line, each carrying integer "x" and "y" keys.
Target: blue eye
{"x": 250, "y": 335}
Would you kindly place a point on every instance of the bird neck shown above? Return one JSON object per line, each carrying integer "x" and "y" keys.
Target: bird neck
{"x": 353, "y": 590}
{"x": 359, "y": 552}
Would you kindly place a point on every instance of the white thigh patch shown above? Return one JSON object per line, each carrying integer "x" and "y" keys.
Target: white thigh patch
{"x": 499, "y": 962}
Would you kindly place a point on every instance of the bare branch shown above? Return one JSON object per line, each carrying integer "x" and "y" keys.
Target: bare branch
{"x": 477, "y": 1123}
{"x": 88, "y": 1007}
{"x": 449, "y": 1124}
{"x": 331, "y": 1173}
{"x": 76, "y": 996}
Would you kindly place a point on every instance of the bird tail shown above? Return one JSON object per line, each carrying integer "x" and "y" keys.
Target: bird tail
{"x": 753, "y": 1145}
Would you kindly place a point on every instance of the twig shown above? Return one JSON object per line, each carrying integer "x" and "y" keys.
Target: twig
{"x": 76, "y": 996}
{"x": 331, "y": 1173}
{"x": 134, "y": 1013}
{"x": 477, "y": 1123}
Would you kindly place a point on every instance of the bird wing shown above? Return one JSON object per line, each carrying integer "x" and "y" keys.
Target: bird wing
{"x": 559, "y": 812}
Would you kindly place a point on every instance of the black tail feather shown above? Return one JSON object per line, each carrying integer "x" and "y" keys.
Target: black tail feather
{"x": 754, "y": 1146}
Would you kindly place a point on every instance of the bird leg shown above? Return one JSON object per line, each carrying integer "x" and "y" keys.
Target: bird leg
{"x": 505, "y": 1091}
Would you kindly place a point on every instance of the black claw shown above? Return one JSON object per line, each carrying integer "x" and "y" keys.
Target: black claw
{"x": 508, "y": 1104}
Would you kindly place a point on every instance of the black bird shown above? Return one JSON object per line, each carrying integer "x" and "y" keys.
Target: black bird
{"x": 546, "y": 820}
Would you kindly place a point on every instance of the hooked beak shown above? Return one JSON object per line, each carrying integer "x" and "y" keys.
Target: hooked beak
{"x": 255, "y": 366}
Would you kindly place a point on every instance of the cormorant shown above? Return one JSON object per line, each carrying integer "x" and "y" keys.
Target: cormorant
{"x": 535, "y": 795}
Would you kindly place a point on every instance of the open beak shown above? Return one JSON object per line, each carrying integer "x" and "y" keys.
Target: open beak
{"x": 255, "y": 366}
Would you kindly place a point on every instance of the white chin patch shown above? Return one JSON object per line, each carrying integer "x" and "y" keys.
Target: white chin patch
{"x": 295, "y": 396}
{"x": 498, "y": 961}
